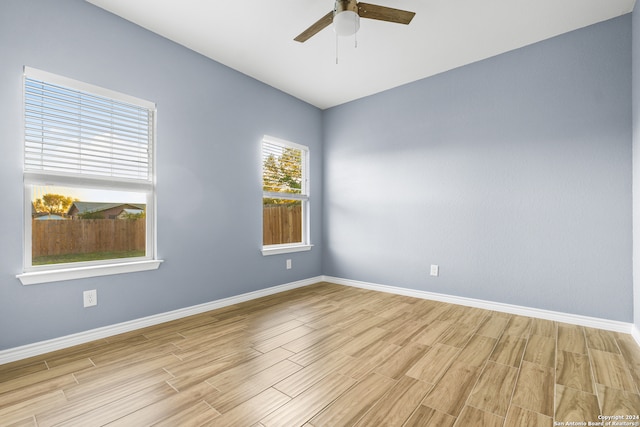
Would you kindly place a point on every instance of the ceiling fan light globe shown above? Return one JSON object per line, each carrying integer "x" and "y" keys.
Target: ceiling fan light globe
{"x": 346, "y": 23}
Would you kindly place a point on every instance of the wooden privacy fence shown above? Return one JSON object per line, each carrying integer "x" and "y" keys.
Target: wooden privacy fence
{"x": 281, "y": 224}
{"x": 81, "y": 236}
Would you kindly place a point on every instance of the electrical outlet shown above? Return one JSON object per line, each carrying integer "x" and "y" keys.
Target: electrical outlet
{"x": 434, "y": 270}
{"x": 90, "y": 298}
{"x": 288, "y": 264}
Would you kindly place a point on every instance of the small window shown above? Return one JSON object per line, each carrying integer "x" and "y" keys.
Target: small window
{"x": 88, "y": 176}
{"x": 285, "y": 197}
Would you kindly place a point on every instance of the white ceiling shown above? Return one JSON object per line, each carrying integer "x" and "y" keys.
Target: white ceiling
{"x": 255, "y": 37}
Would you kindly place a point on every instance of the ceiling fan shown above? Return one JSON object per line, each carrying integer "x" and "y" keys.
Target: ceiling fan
{"x": 346, "y": 15}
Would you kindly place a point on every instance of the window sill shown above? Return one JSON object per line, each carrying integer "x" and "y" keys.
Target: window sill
{"x": 36, "y": 277}
{"x": 284, "y": 249}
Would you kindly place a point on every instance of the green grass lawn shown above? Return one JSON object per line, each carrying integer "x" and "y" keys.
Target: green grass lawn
{"x": 94, "y": 256}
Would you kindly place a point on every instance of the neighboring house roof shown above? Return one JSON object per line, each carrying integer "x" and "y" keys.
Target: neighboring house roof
{"x": 90, "y": 207}
{"x": 49, "y": 217}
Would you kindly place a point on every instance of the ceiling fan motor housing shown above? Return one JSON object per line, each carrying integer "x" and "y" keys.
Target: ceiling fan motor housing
{"x": 346, "y": 20}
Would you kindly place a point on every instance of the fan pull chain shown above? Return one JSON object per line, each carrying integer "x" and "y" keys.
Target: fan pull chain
{"x": 355, "y": 40}
{"x": 355, "y": 35}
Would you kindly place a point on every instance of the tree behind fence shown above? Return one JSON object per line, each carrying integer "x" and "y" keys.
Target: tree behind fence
{"x": 87, "y": 236}
{"x": 281, "y": 224}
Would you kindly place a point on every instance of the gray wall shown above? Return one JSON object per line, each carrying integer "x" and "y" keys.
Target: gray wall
{"x": 210, "y": 123}
{"x": 512, "y": 174}
{"x": 636, "y": 164}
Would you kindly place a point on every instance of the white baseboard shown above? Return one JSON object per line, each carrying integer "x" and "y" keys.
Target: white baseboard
{"x": 35, "y": 349}
{"x": 574, "y": 319}
{"x": 635, "y": 333}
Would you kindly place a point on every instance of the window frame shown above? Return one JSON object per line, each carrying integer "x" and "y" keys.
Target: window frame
{"x": 303, "y": 197}
{"x": 65, "y": 271}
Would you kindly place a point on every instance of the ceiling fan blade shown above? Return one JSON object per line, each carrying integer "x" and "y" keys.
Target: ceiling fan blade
{"x": 321, "y": 23}
{"x": 383, "y": 13}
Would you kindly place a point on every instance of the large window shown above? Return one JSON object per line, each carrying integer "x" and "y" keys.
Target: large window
{"x": 285, "y": 197}
{"x": 88, "y": 178}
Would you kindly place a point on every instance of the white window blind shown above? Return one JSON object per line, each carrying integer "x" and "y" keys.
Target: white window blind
{"x": 71, "y": 131}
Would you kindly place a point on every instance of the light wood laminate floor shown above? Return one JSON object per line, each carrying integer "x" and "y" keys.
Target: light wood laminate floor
{"x": 329, "y": 355}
